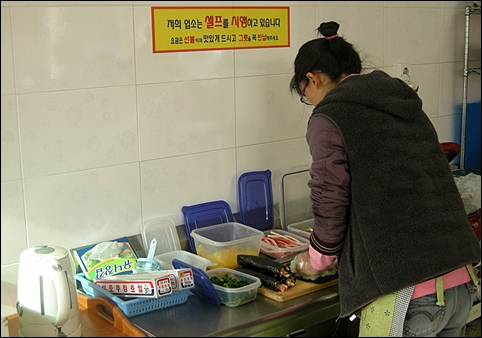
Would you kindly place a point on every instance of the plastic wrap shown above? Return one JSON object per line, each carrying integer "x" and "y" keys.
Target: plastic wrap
{"x": 469, "y": 189}
{"x": 301, "y": 267}
{"x": 105, "y": 250}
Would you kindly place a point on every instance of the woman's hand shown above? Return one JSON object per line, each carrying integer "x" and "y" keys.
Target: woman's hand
{"x": 301, "y": 267}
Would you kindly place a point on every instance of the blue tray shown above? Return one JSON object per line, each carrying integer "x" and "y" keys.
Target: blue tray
{"x": 134, "y": 306}
{"x": 205, "y": 214}
{"x": 256, "y": 200}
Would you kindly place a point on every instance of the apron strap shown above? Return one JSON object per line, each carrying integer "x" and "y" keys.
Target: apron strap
{"x": 439, "y": 287}
{"x": 470, "y": 269}
{"x": 400, "y": 311}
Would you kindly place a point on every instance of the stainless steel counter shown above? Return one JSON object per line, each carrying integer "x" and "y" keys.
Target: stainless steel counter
{"x": 261, "y": 318}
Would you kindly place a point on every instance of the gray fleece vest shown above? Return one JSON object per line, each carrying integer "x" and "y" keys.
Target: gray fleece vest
{"x": 407, "y": 221}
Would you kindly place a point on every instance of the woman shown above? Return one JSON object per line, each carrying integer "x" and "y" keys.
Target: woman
{"x": 385, "y": 205}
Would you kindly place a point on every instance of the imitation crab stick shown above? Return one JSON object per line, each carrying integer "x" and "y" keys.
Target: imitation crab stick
{"x": 281, "y": 241}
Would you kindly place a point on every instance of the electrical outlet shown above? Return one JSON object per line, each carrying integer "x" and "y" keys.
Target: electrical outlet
{"x": 403, "y": 71}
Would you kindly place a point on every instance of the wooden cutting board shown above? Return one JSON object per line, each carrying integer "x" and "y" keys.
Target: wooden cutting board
{"x": 301, "y": 288}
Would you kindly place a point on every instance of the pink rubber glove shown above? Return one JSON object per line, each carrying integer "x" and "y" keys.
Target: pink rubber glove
{"x": 301, "y": 267}
{"x": 320, "y": 261}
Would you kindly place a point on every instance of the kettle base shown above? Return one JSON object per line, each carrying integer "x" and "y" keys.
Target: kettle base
{"x": 51, "y": 331}
{"x": 72, "y": 328}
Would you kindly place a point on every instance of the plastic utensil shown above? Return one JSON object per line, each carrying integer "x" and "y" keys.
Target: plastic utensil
{"x": 150, "y": 255}
{"x": 149, "y": 264}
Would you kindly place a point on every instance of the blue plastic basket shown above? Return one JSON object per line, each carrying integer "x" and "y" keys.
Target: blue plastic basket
{"x": 134, "y": 306}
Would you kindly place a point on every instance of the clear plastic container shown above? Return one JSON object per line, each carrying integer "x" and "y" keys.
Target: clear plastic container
{"x": 222, "y": 243}
{"x": 146, "y": 265}
{"x": 233, "y": 297}
{"x": 205, "y": 214}
{"x": 277, "y": 252}
{"x": 302, "y": 229}
{"x": 165, "y": 259}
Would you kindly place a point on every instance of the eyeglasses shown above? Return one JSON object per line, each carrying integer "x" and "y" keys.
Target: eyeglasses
{"x": 303, "y": 98}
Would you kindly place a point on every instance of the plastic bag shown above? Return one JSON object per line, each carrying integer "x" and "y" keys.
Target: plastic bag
{"x": 301, "y": 267}
{"x": 105, "y": 250}
{"x": 469, "y": 189}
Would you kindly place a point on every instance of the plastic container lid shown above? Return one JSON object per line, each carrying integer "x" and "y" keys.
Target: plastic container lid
{"x": 205, "y": 214}
{"x": 295, "y": 202}
{"x": 164, "y": 230}
{"x": 256, "y": 199}
{"x": 203, "y": 287}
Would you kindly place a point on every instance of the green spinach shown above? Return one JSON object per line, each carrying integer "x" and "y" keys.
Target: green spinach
{"x": 228, "y": 282}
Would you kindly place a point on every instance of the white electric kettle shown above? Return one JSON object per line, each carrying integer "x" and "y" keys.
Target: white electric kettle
{"x": 47, "y": 296}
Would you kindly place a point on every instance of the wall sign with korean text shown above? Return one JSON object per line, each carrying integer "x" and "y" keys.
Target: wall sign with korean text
{"x": 187, "y": 29}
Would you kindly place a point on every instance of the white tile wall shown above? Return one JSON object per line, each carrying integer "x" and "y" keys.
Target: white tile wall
{"x": 98, "y": 133}
{"x": 14, "y": 240}
{"x": 8, "y": 83}
{"x": 86, "y": 206}
{"x": 172, "y": 67}
{"x": 362, "y": 26}
{"x": 94, "y": 128}
{"x": 266, "y": 112}
{"x": 57, "y": 48}
{"x": 170, "y": 183}
{"x": 10, "y": 140}
{"x": 183, "y": 118}
{"x": 280, "y": 157}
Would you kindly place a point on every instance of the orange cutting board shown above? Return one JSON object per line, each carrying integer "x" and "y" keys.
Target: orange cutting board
{"x": 301, "y": 288}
